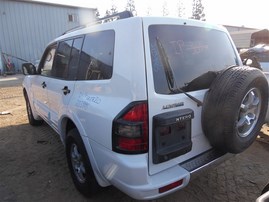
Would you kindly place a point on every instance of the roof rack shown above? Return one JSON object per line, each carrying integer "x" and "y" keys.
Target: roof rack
{"x": 109, "y": 18}
{"x": 116, "y": 16}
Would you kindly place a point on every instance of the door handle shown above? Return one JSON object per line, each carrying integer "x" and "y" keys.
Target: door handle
{"x": 66, "y": 90}
{"x": 44, "y": 85}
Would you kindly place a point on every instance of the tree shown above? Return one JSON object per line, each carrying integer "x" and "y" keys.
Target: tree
{"x": 112, "y": 11}
{"x": 97, "y": 13}
{"x": 198, "y": 10}
{"x": 108, "y": 12}
{"x": 165, "y": 9}
{"x": 131, "y": 7}
{"x": 180, "y": 9}
{"x": 113, "y": 8}
{"x": 149, "y": 11}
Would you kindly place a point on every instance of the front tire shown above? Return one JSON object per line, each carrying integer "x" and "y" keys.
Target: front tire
{"x": 79, "y": 165}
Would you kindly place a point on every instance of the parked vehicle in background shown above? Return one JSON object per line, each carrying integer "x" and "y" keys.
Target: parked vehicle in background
{"x": 145, "y": 103}
{"x": 257, "y": 56}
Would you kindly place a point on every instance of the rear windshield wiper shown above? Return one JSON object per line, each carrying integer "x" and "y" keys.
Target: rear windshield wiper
{"x": 172, "y": 85}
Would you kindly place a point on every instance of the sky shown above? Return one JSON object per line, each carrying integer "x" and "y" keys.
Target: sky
{"x": 248, "y": 13}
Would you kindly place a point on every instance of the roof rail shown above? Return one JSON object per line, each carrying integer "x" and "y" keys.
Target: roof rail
{"x": 109, "y": 18}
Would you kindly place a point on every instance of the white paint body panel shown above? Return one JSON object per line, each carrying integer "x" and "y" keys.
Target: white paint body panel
{"x": 93, "y": 105}
{"x": 58, "y": 102}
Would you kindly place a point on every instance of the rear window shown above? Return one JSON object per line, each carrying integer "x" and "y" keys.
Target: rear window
{"x": 191, "y": 52}
{"x": 96, "y": 60}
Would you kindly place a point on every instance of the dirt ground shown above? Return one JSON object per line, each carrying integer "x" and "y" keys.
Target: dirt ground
{"x": 33, "y": 165}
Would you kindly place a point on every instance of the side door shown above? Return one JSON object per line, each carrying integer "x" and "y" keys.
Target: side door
{"x": 64, "y": 72}
{"x": 41, "y": 82}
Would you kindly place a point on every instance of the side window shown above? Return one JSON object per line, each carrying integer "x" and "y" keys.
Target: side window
{"x": 74, "y": 59}
{"x": 60, "y": 67}
{"x": 47, "y": 62}
{"x": 96, "y": 60}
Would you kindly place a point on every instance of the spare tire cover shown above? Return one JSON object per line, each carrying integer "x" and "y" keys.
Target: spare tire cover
{"x": 234, "y": 108}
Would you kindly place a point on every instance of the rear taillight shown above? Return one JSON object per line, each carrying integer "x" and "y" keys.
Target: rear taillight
{"x": 130, "y": 129}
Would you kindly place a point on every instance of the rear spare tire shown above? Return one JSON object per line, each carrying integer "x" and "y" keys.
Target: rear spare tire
{"x": 235, "y": 108}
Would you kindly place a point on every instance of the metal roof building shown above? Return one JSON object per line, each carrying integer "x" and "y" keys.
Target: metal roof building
{"x": 241, "y": 35}
{"x": 260, "y": 37}
{"x": 242, "y": 39}
{"x": 26, "y": 27}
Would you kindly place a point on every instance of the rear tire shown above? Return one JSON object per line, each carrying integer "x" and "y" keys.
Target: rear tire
{"x": 79, "y": 165}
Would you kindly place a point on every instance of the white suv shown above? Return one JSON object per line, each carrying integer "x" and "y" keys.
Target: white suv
{"x": 144, "y": 103}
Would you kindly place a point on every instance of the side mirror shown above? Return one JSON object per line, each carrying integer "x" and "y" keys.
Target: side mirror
{"x": 28, "y": 69}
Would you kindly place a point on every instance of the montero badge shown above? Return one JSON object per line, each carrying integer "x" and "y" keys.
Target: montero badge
{"x": 169, "y": 106}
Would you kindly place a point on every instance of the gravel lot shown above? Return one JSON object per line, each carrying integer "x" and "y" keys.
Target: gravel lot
{"x": 33, "y": 165}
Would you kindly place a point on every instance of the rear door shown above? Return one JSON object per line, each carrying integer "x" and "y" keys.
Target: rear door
{"x": 64, "y": 72}
{"x": 181, "y": 57}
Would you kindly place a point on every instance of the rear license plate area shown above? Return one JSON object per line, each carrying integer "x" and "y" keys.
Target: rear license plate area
{"x": 171, "y": 135}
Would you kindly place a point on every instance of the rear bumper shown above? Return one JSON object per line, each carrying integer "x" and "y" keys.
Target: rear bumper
{"x": 129, "y": 173}
{"x": 205, "y": 161}
{"x": 263, "y": 198}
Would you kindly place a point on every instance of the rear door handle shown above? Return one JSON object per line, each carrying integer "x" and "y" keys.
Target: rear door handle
{"x": 44, "y": 85}
{"x": 66, "y": 90}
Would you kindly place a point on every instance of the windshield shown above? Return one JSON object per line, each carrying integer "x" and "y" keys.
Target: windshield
{"x": 191, "y": 51}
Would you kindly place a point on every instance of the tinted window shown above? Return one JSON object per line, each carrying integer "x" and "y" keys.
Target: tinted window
{"x": 192, "y": 53}
{"x": 96, "y": 61}
{"x": 48, "y": 62}
{"x": 74, "y": 59}
{"x": 60, "y": 67}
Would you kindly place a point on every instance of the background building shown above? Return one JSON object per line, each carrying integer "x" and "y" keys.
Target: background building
{"x": 260, "y": 37}
{"x": 245, "y": 37}
{"x": 26, "y": 27}
{"x": 241, "y": 35}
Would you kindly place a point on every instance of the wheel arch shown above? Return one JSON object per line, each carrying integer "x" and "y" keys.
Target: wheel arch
{"x": 68, "y": 124}
{"x": 24, "y": 92}
{"x": 29, "y": 98}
